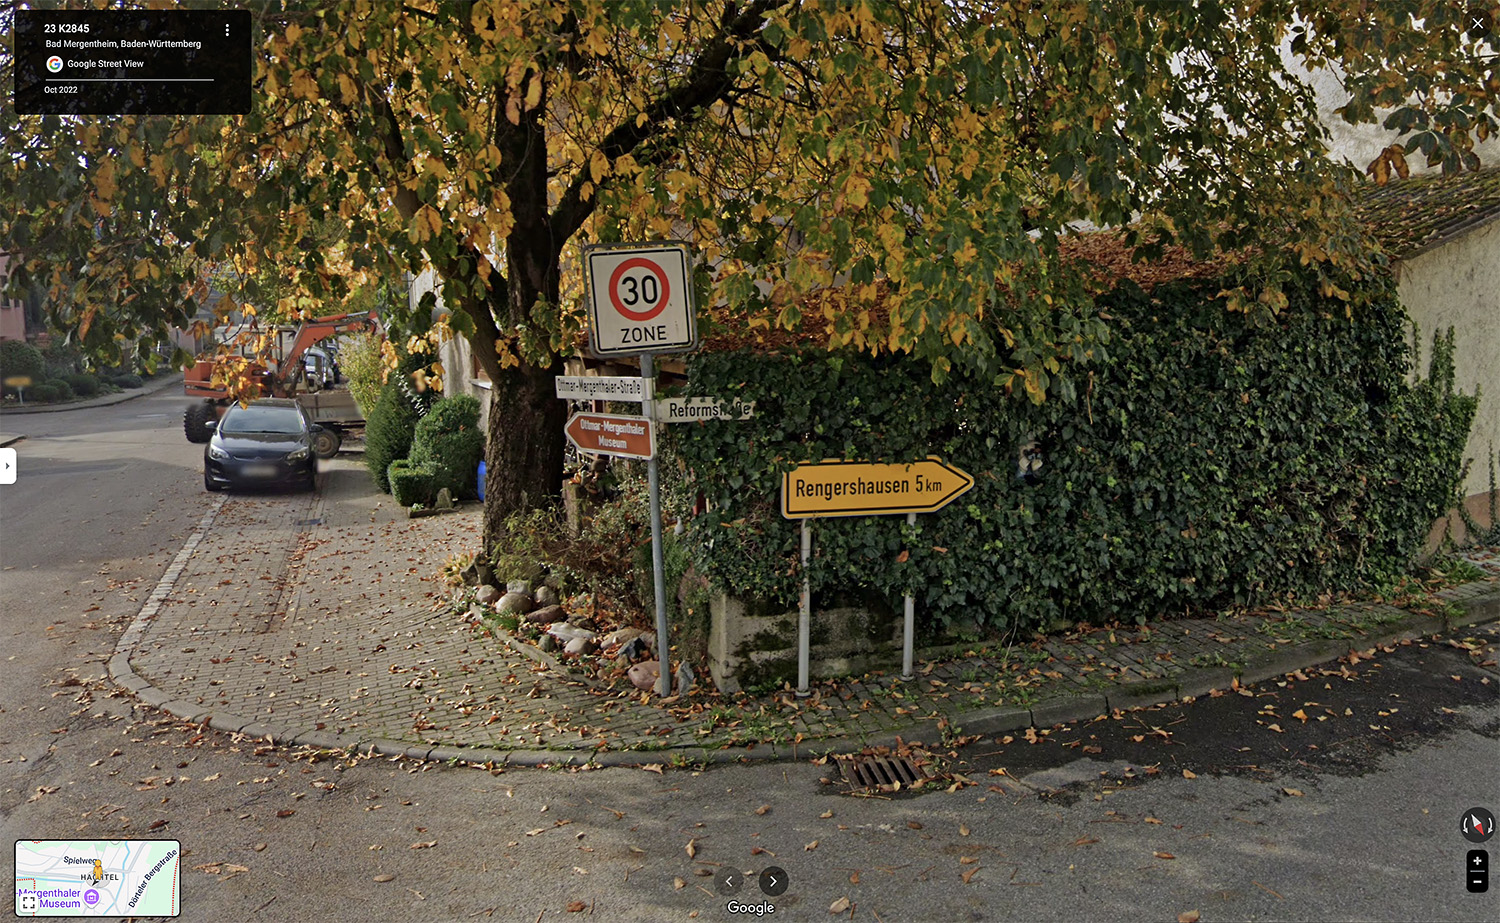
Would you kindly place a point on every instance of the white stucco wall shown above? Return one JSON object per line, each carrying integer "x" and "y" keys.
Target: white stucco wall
{"x": 455, "y": 354}
{"x": 1458, "y": 285}
{"x": 1359, "y": 144}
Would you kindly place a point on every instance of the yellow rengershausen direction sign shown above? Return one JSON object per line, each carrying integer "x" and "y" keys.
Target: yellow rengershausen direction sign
{"x": 849, "y": 488}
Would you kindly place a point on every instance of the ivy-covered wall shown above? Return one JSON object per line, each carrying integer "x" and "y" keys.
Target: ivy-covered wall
{"x": 1204, "y": 460}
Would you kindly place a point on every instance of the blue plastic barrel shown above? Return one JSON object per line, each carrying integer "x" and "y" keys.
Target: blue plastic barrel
{"x": 481, "y": 480}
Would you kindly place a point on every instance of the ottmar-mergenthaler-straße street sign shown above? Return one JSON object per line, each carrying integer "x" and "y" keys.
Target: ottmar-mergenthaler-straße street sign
{"x": 640, "y": 299}
{"x": 612, "y": 434}
{"x": 836, "y": 487}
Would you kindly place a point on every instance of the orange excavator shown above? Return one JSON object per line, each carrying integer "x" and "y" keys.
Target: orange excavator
{"x": 289, "y": 368}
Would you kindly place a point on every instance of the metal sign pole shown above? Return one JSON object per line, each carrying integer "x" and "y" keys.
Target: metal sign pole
{"x": 804, "y": 616}
{"x": 908, "y": 628}
{"x": 648, "y": 410}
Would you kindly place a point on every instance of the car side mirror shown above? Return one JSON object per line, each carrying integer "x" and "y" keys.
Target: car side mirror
{"x": 316, "y": 428}
{"x": 211, "y": 424}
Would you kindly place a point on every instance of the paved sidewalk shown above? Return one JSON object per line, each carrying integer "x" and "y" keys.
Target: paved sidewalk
{"x": 318, "y": 620}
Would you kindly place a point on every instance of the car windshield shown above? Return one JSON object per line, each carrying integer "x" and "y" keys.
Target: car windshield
{"x": 283, "y": 420}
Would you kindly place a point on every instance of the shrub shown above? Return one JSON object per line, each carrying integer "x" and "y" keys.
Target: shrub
{"x": 360, "y": 361}
{"x": 62, "y": 388}
{"x": 410, "y": 483}
{"x": 390, "y": 426}
{"x": 83, "y": 384}
{"x": 448, "y": 443}
{"x": 43, "y": 392}
{"x": 20, "y": 359}
{"x": 126, "y": 380}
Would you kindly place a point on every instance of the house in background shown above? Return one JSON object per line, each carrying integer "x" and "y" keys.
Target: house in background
{"x": 12, "y": 310}
{"x": 1443, "y": 236}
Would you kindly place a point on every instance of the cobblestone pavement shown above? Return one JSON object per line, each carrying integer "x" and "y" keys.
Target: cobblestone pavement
{"x": 318, "y": 619}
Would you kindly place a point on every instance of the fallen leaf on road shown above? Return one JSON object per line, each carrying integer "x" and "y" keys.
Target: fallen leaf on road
{"x": 854, "y": 878}
{"x": 962, "y": 830}
{"x": 915, "y": 825}
{"x": 1151, "y": 820}
{"x": 761, "y": 851}
{"x": 259, "y": 847}
{"x": 1084, "y": 841}
{"x": 1164, "y": 855}
{"x": 1300, "y": 714}
{"x": 1188, "y": 916}
{"x": 1275, "y": 727}
{"x": 810, "y": 846}
{"x": 839, "y": 906}
{"x": 692, "y": 848}
{"x": 653, "y": 767}
{"x": 968, "y": 860}
{"x": 427, "y": 845}
{"x": 285, "y": 812}
{"x": 969, "y": 875}
{"x": 763, "y": 810}
{"x": 213, "y": 778}
{"x": 576, "y": 906}
{"x": 1189, "y": 774}
{"x": 535, "y": 832}
{"x": 384, "y": 878}
{"x": 678, "y": 884}
{"x": 1294, "y": 792}
{"x": 826, "y": 814}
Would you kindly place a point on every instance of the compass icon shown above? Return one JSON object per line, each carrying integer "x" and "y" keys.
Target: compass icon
{"x": 1478, "y": 825}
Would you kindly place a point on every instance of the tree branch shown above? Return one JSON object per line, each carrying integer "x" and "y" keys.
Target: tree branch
{"x": 707, "y": 81}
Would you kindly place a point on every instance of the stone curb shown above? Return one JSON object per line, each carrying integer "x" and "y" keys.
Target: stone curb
{"x": 109, "y": 400}
{"x": 1477, "y": 602}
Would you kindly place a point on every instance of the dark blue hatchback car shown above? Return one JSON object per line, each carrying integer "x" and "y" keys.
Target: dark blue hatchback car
{"x": 268, "y": 442}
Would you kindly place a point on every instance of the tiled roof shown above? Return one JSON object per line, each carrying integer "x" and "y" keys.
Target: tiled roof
{"x": 1411, "y": 216}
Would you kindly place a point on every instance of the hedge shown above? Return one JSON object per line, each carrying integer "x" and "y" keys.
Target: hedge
{"x": 389, "y": 427}
{"x": 410, "y": 483}
{"x": 1204, "y": 460}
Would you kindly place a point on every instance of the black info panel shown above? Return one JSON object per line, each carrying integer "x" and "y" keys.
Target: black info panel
{"x": 132, "y": 62}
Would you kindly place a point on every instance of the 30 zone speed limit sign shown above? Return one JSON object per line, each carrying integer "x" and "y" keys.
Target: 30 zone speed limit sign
{"x": 640, "y": 300}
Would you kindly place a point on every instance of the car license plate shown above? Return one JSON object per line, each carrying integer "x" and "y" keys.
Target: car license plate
{"x": 260, "y": 471}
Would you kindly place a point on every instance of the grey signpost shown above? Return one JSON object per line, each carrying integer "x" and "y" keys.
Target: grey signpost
{"x": 641, "y": 303}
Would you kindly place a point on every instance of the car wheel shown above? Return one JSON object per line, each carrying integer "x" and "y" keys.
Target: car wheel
{"x": 325, "y": 444}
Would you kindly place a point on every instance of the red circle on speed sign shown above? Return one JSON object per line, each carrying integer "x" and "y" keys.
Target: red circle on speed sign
{"x": 649, "y": 293}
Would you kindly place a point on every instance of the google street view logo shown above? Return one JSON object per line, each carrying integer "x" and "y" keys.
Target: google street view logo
{"x": 54, "y": 64}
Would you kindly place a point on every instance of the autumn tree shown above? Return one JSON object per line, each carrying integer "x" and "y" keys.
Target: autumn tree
{"x": 897, "y": 172}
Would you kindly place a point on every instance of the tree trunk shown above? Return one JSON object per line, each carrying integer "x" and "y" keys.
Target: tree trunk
{"x": 524, "y": 451}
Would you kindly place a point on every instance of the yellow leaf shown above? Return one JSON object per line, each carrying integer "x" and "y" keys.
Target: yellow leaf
{"x": 1189, "y": 774}
{"x": 1276, "y": 728}
{"x": 1300, "y": 714}
{"x": 533, "y": 92}
{"x": 598, "y": 166}
{"x": 1294, "y": 792}
{"x": 513, "y": 110}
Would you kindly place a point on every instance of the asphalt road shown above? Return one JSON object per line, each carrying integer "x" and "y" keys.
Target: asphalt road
{"x": 1352, "y": 817}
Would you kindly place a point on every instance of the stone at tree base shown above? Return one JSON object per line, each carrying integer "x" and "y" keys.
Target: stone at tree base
{"x": 518, "y": 586}
{"x": 476, "y": 613}
{"x": 685, "y": 678}
{"x": 548, "y": 643}
{"x": 515, "y": 603}
{"x": 444, "y": 500}
{"x": 562, "y": 631}
{"x": 632, "y": 649}
{"x": 579, "y": 645}
{"x": 648, "y": 638}
{"x": 546, "y": 596}
{"x": 644, "y": 675}
{"x": 487, "y": 594}
{"x": 546, "y": 615}
{"x": 621, "y": 636}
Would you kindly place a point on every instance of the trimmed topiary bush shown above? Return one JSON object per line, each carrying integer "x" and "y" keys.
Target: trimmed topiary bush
{"x": 21, "y": 360}
{"x": 43, "y": 392}
{"x": 410, "y": 483}
{"x": 126, "y": 380}
{"x": 62, "y": 388}
{"x": 83, "y": 384}
{"x": 449, "y": 444}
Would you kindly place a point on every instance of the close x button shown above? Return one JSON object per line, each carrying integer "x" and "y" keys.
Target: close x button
{"x": 1477, "y": 871}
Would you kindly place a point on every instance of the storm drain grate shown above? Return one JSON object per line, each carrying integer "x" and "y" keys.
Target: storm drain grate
{"x": 875, "y": 771}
